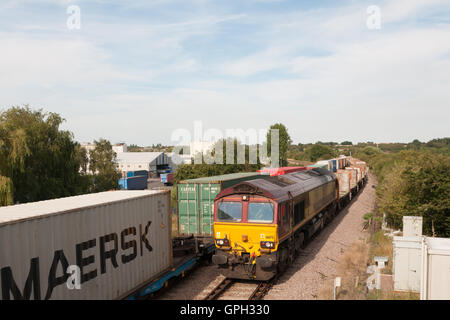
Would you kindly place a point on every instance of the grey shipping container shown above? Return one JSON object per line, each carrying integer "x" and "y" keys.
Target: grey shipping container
{"x": 116, "y": 242}
{"x": 195, "y": 201}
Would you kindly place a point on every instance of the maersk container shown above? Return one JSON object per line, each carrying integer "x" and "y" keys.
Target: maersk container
{"x": 116, "y": 241}
{"x": 195, "y": 201}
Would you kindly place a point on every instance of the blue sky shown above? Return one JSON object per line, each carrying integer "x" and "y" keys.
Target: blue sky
{"x": 138, "y": 70}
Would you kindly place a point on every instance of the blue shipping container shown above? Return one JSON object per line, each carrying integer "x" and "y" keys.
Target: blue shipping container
{"x": 334, "y": 165}
{"x": 133, "y": 183}
{"x": 137, "y": 173}
{"x": 141, "y": 173}
{"x": 122, "y": 183}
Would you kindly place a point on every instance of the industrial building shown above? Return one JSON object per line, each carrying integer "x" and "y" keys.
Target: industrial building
{"x": 135, "y": 161}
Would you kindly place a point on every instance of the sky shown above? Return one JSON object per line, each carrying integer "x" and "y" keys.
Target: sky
{"x": 138, "y": 71}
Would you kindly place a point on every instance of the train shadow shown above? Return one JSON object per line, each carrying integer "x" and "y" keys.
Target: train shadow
{"x": 319, "y": 240}
{"x": 193, "y": 285}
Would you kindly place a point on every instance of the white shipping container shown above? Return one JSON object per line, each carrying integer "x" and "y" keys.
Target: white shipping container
{"x": 354, "y": 177}
{"x": 120, "y": 240}
{"x": 344, "y": 182}
{"x": 407, "y": 263}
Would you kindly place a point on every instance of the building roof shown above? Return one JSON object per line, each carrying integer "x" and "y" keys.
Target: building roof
{"x": 138, "y": 157}
{"x": 32, "y": 210}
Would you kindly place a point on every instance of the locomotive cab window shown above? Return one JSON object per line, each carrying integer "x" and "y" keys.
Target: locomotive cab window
{"x": 261, "y": 212}
{"x": 229, "y": 211}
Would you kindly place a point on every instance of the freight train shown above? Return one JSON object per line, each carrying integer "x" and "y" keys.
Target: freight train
{"x": 261, "y": 225}
{"x": 120, "y": 244}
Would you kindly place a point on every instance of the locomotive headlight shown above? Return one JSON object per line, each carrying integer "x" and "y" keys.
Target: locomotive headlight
{"x": 267, "y": 244}
{"x": 223, "y": 242}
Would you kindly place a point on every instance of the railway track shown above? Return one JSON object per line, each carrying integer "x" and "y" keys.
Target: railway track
{"x": 231, "y": 289}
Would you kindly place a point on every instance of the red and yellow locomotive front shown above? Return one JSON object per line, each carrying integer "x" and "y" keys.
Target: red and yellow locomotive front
{"x": 246, "y": 236}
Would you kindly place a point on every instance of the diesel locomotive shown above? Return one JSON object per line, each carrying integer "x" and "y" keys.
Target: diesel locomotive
{"x": 260, "y": 225}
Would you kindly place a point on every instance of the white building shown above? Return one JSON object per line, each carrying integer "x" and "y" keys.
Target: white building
{"x": 117, "y": 148}
{"x": 120, "y": 147}
{"x": 133, "y": 161}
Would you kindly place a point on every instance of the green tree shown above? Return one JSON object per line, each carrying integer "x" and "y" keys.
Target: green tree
{"x": 320, "y": 151}
{"x": 13, "y": 150}
{"x": 134, "y": 148}
{"x": 284, "y": 143}
{"x": 369, "y": 150}
{"x": 191, "y": 171}
{"x": 83, "y": 159}
{"x": 414, "y": 183}
{"x": 39, "y": 160}
{"x": 103, "y": 167}
{"x": 347, "y": 143}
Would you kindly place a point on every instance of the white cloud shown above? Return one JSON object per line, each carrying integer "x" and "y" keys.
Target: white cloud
{"x": 319, "y": 71}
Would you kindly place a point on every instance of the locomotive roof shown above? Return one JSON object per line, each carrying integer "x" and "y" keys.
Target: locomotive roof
{"x": 279, "y": 187}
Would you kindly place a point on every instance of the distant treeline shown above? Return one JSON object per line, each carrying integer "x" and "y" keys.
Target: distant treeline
{"x": 326, "y": 150}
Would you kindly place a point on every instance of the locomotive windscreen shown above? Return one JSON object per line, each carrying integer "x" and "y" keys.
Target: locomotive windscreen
{"x": 261, "y": 212}
{"x": 229, "y": 211}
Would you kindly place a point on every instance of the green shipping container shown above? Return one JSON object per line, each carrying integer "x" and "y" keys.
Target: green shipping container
{"x": 195, "y": 199}
{"x": 318, "y": 165}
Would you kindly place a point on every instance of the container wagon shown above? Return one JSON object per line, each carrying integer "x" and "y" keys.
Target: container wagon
{"x": 115, "y": 243}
